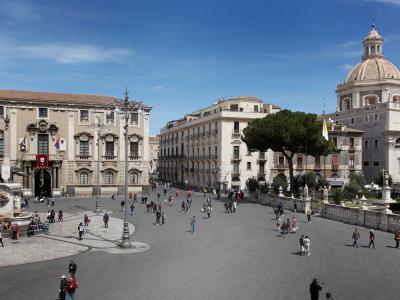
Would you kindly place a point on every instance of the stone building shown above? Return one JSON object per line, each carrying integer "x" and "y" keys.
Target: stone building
{"x": 336, "y": 167}
{"x": 204, "y": 148}
{"x": 369, "y": 100}
{"x": 50, "y": 137}
{"x": 154, "y": 144}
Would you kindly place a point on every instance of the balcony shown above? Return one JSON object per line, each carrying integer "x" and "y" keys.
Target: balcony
{"x": 236, "y": 157}
{"x": 261, "y": 173}
{"x": 236, "y": 172}
{"x": 109, "y": 157}
{"x": 262, "y": 156}
{"x": 83, "y": 157}
{"x": 134, "y": 157}
{"x": 236, "y": 132}
{"x": 32, "y": 157}
{"x": 215, "y": 132}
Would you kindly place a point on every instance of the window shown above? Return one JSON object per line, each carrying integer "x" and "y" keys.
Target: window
{"x": 366, "y": 163}
{"x": 376, "y": 143}
{"x": 256, "y": 108}
{"x": 43, "y": 144}
{"x": 351, "y": 161}
{"x": 236, "y": 170}
{"x": 204, "y": 130}
{"x": 366, "y": 119}
{"x": 351, "y": 143}
{"x": 84, "y": 116}
{"x": 1, "y": 144}
{"x": 109, "y": 178}
{"x": 134, "y": 118}
{"x": 281, "y": 160}
{"x": 109, "y": 150}
{"x": 1, "y": 111}
{"x": 317, "y": 160}
{"x": 352, "y": 121}
{"x": 370, "y": 100}
{"x": 234, "y": 107}
{"x": 84, "y": 148}
{"x": 43, "y": 112}
{"x": 134, "y": 178}
{"x": 216, "y": 151}
{"x": 376, "y": 163}
{"x": 397, "y": 143}
{"x": 83, "y": 178}
{"x": 134, "y": 150}
{"x": 236, "y": 152}
{"x": 110, "y": 117}
{"x": 248, "y": 165}
{"x": 300, "y": 161}
{"x": 216, "y": 127}
{"x": 365, "y": 144}
{"x": 248, "y": 151}
{"x": 236, "y": 127}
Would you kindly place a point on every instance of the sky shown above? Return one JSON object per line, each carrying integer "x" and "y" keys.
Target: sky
{"x": 179, "y": 56}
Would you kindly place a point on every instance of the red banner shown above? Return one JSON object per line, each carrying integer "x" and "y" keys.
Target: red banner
{"x": 42, "y": 161}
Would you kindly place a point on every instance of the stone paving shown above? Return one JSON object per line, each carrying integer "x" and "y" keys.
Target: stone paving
{"x": 62, "y": 240}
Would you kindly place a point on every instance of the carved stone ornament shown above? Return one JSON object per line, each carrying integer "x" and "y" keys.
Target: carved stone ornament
{"x": 42, "y": 126}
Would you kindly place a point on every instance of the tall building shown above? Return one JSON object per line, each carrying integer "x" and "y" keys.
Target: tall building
{"x": 49, "y": 137}
{"x": 154, "y": 145}
{"x": 336, "y": 167}
{"x": 369, "y": 100}
{"x": 204, "y": 148}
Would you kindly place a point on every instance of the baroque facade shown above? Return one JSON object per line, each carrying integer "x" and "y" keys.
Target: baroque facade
{"x": 204, "y": 148}
{"x": 369, "y": 100}
{"x": 336, "y": 167}
{"x": 154, "y": 145}
{"x": 50, "y": 138}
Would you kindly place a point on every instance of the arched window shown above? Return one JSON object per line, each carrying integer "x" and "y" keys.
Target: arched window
{"x": 397, "y": 143}
{"x": 83, "y": 178}
{"x": 134, "y": 178}
{"x": 346, "y": 104}
{"x": 109, "y": 177}
{"x": 371, "y": 100}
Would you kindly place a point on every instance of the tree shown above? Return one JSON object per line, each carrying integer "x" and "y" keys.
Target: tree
{"x": 252, "y": 185}
{"x": 289, "y": 133}
{"x": 279, "y": 181}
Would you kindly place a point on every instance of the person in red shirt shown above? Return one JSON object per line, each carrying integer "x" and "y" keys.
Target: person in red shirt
{"x": 72, "y": 285}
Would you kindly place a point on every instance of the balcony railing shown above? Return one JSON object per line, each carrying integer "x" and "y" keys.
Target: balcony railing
{"x": 235, "y": 172}
{"x": 83, "y": 157}
{"x": 109, "y": 157}
{"x": 236, "y": 156}
{"x": 236, "y": 132}
{"x": 32, "y": 157}
{"x": 134, "y": 157}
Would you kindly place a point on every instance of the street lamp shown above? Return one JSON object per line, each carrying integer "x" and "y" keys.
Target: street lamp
{"x": 98, "y": 126}
{"x": 125, "y": 108}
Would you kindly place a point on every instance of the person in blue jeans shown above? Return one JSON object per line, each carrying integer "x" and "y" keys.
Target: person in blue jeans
{"x": 356, "y": 236}
{"x": 193, "y": 223}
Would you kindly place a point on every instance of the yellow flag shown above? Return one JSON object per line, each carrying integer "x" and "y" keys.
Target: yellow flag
{"x": 324, "y": 130}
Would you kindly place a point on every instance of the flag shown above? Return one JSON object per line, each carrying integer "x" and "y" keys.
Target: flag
{"x": 324, "y": 130}
{"x": 57, "y": 144}
{"x": 23, "y": 141}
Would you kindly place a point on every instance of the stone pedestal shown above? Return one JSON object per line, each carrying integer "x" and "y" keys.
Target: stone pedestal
{"x": 386, "y": 200}
{"x": 307, "y": 205}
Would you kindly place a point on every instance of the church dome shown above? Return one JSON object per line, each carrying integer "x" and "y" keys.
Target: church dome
{"x": 373, "y": 65}
{"x": 374, "y": 68}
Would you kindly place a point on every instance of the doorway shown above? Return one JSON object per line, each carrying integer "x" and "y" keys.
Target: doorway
{"x": 42, "y": 183}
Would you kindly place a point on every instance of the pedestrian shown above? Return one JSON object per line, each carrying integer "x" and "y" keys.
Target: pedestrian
{"x": 72, "y": 267}
{"x": 295, "y": 207}
{"x": 86, "y": 220}
{"x": 48, "y": 215}
{"x": 134, "y": 198}
{"x": 294, "y": 225}
{"x": 158, "y": 217}
{"x": 63, "y": 287}
{"x": 112, "y": 197}
{"x": 132, "y": 208}
{"x": 1, "y": 239}
{"x": 71, "y": 288}
{"x": 309, "y": 216}
{"x": 80, "y": 231}
{"x": 106, "y": 218}
{"x": 371, "y": 239}
{"x": 234, "y": 206}
{"x": 355, "y": 237}
{"x": 278, "y": 223}
{"x": 397, "y": 238}
{"x": 205, "y": 192}
{"x": 163, "y": 218}
{"x": 15, "y": 231}
{"x": 307, "y": 245}
{"x": 226, "y": 207}
{"x": 315, "y": 288}
{"x": 122, "y": 205}
{"x": 301, "y": 242}
{"x": 183, "y": 205}
{"x": 158, "y": 195}
{"x": 26, "y": 202}
{"x": 209, "y": 211}
{"x": 193, "y": 223}
{"x": 60, "y": 216}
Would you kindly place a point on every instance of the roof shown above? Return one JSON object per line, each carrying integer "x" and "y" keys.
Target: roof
{"x": 153, "y": 139}
{"x": 54, "y": 98}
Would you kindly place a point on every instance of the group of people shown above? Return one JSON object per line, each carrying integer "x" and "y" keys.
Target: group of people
{"x": 231, "y": 206}
{"x": 68, "y": 285}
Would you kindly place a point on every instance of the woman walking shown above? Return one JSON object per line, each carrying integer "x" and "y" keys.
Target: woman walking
{"x": 371, "y": 239}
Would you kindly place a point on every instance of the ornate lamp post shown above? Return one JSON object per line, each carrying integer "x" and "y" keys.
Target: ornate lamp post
{"x": 125, "y": 108}
{"x": 98, "y": 126}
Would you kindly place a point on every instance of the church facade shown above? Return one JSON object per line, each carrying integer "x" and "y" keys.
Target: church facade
{"x": 369, "y": 100}
{"x": 50, "y": 138}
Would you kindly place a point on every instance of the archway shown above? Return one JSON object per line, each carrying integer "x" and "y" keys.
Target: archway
{"x": 42, "y": 183}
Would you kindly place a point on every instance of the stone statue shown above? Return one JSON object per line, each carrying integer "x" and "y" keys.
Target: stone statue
{"x": 325, "y": 194}
{"x": 288, "y": 185}
{"x": 305, "y": 192}
{"x": 386, "y": 179}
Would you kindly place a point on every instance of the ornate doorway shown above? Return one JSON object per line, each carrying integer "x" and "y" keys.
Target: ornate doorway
{"x": 42, "y": 183}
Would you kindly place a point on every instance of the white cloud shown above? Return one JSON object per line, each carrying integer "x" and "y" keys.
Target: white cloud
{"x": 157, "y": 87}
{"x": 346, "y": 67}
{"x": 73, "y": 53}
{"x": 395, "y": 2}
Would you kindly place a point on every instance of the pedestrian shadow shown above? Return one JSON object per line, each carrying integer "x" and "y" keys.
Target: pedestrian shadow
{"x": 349, "y": 245}
{"x": 296, "y": 253}
{"x": 393, "y": 247}
{"x": 204, "y": 218}
{"x": 364, "y": 246}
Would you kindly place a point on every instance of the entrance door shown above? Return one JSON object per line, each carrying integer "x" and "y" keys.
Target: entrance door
{"x": 42, "y": 183}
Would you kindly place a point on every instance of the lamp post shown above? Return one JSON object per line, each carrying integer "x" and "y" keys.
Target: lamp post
{"x": 125, "y": 108}
{"x": 98, "y": 127}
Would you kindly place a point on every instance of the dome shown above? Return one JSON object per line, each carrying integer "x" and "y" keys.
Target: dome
{"x": 374, "y": 68}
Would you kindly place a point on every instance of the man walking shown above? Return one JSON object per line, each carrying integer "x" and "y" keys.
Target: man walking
{"x": 122, "y": 205}
{"x": 315, "y": 288}
{"x": 355, "y": 237}
{"x": 397, "y": 238}
{"x": 132, "y": 208}
{"x": 301, "y": 242}
{"x": 1, "y": 239}
{"x": 307, "y": 245}
{"x": 80, "y": 231}
{"x": 106, "y": 218}
{"x": 193, "y": 223}
{"x": 371, "y": 239}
